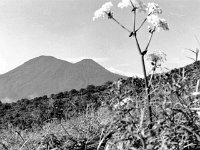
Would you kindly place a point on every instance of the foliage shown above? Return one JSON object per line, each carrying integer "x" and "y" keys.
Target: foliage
{"x": 175, "y": 123}
{"x": 78, "y": 133}
{"x": 119, "y": 123}
{"x": 34, "y": 113}
{"x": 161, "y": 119}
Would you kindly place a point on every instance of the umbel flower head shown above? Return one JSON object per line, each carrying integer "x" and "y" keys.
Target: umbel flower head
{"x": 106, "y": 8}
{"x": 138, "y": 4}
{"x": 157, "y": 22}
{"x": 156, "y": 58}
{"x": 153, "y": 8}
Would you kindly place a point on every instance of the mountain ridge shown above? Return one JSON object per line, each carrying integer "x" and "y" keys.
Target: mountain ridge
{"x": 46, "y": 75}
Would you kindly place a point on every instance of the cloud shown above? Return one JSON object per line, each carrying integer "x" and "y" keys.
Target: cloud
{"x": 32, "y": 96}
{"x": 97, "y": 59}
{"x": 124, "y": 73}
{"x": 7, "y": 100}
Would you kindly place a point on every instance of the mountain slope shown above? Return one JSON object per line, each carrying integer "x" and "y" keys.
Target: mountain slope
{"x": 45, "y": 75}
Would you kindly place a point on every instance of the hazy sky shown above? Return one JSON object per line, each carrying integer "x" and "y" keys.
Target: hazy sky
{"x": 64, "y": 29}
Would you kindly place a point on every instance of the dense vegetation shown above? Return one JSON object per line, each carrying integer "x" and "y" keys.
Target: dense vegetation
{"x": 26, "y": 114}
{"x": 72, "y": 120}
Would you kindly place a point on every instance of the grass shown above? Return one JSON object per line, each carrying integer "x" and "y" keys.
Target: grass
{"x": 87, "y": 127}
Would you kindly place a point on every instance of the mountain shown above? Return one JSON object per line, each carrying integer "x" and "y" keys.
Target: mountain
{"x": 45, "y": 75}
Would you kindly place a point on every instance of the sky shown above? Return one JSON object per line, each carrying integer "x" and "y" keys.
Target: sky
{"x": 65, "y": 29}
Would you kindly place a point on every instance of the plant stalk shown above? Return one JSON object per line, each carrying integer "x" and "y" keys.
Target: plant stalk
{"x": 142, "y": 54}
{"x": 147, "y": 88}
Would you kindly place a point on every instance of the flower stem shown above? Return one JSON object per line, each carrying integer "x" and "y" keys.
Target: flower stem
{"x": 134, "y": 21}
{"x": 115, "y": 20}
{"x": 142, "y": 54}
{"x": 141, "y": 25}
{"x": 150, "y": 38}
{"x": 147, "y": 89}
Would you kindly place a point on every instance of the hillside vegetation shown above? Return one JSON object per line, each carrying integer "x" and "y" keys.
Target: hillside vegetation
{"x": 111, "y": 116}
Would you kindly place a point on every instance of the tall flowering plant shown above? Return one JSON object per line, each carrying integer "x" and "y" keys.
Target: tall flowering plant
{"x": 153, "y": 12}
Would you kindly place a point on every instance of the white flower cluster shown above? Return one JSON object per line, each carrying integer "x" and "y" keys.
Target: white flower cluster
{"x": 103, "y": 10}
{"x": 136, "y": 3}
{"x": 157, "y": 22}
{"x": 124, "y": 3}
{"x": 152, "y": 9}
{"x": 123, "y": 103}
{"x": 157, "y": 57}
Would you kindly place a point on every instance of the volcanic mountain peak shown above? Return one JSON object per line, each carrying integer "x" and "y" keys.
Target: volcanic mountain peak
{"x": 46, "y": 75}
{"x": 45, "y": 59}
{"x": 87, "y": 60}
{"x": 51, "y": 59}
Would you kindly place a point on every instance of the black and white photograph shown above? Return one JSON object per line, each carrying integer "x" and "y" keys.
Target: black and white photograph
{"x": 99, "y": 74}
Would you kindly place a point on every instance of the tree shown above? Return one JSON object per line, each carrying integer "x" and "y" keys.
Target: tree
{"x": 91, "y": 88}
{"x": 73, "y": 92}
